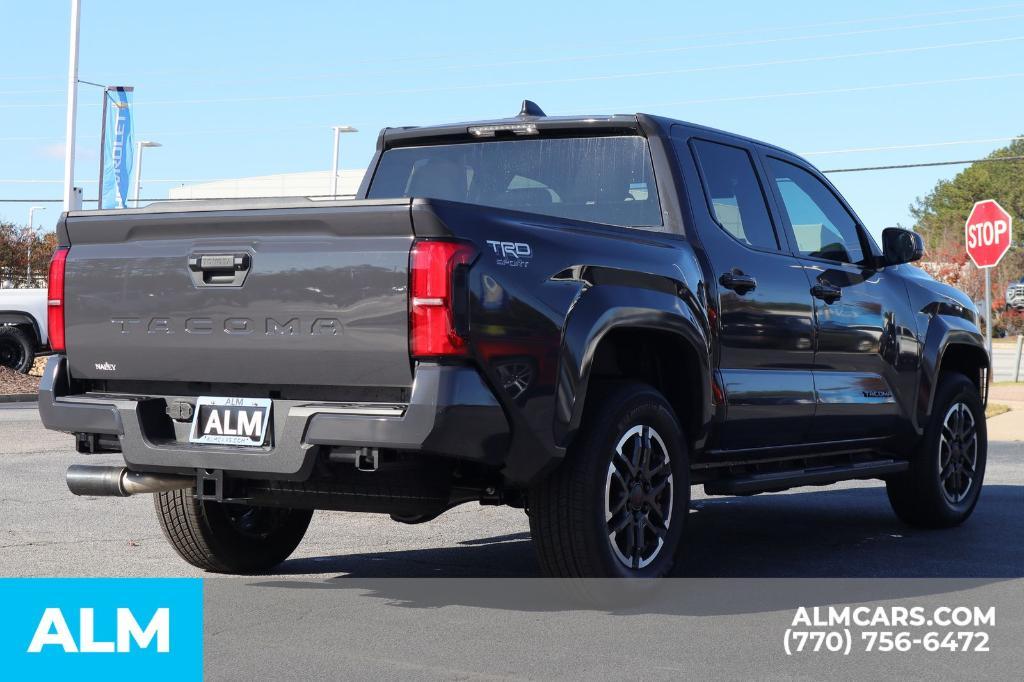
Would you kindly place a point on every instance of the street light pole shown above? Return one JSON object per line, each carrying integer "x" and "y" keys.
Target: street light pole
{"x": 138, "y": 165}
{"x": 338, "y": 130}
{"x": 72, "y": 109}
{"x": 32, "y": 239}
{"x": 103, "y": 144}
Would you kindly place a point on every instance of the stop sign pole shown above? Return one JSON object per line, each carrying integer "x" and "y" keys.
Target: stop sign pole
{"x": 988, "y": 234}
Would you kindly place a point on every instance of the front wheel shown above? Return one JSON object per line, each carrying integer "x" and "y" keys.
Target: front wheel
{"x": 229, "y": 538}
{"x": 616, "y": 505}
{"x": 943, "y": 484}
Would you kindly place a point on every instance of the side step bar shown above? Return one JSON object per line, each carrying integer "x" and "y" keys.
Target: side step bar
{"x": 749, "y": 484}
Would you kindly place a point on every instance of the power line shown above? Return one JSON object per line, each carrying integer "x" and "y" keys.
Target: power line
{"x": 827, "y": 91}
{"x": 470, "y": 64}
{"x": 278, "y": 196}
{"x": 213, "y": 131}
{"x": 324, "y": 196}
{"x": 759, "y": 30}
{"x": 604, "y": 77}
{"x": 857, "y": 150}
{"x": 562, "y": 81}
{"x": 606, "y": 107}
{"x": 93, "y": 182}
{"x": 923, "y": 165}
{"x": 31, "y": 92}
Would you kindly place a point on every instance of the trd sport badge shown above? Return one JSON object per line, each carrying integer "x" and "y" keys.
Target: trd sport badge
{"x": 511, "y": 254}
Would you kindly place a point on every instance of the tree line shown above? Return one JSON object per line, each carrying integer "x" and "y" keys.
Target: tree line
{"x": 16, "y": 241}
{"x": 940, "y": 216}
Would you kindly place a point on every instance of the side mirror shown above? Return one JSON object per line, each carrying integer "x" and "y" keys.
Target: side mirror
{"x": 901, "y": 246}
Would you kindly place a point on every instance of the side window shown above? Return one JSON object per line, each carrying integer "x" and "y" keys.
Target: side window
{"x": 823, "y": 228}
{"x": 737, "y": 201}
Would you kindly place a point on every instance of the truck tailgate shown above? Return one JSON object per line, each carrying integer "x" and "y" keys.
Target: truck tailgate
{"x": 286, "y": 296}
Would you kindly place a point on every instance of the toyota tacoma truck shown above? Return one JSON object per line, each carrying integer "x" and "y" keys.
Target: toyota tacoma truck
{"x": 579, "y": 316}
{"x": 23, "y": 315}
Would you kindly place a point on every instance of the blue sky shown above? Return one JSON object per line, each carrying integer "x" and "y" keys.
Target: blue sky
{"x": 249, "y": 88}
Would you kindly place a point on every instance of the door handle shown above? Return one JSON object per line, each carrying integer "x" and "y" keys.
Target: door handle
{"x": 738, "y": 282}
{"x": 829, "y": 293}
{"x": 219, "y": 269}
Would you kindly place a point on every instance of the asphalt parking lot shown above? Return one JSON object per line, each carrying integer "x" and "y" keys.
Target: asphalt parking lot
{"x": 360, "y": 594}
{"x": 842, "y": 531}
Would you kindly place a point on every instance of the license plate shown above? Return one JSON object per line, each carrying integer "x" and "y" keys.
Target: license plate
{"x": 231, "y": 421}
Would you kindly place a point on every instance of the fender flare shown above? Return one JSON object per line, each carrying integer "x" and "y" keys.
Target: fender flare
{"x": 944, "y": 332}
{"x": 602, "y": 309}
{"x": 18, "y": 318}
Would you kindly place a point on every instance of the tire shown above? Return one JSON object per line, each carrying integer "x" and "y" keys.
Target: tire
{"x": 17, "y": 350}
{"x": 570, "y": 508}
{"x": 944, "y": 481}
{"x": 229, "y": 538}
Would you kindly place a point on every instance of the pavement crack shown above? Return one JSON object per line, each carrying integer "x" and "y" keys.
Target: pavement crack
{"x": 81, "y": 541}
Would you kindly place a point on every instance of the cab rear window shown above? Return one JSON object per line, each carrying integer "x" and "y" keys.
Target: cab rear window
{"x": 597, "y": 179}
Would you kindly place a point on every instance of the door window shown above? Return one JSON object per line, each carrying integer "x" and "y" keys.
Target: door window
{"x": 734, "y": 194}
{"x": 822, "y": 226}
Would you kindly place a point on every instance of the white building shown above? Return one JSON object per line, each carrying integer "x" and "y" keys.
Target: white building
{"x": 309, "y": 184}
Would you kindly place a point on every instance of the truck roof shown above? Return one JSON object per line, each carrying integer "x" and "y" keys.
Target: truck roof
{"x": 394, "y": 137}
{"x": 532, "y": 114}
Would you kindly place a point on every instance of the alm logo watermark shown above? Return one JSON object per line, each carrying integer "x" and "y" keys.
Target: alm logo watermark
{"x": 102, "y": 627}
{"x": 53, "y": 630}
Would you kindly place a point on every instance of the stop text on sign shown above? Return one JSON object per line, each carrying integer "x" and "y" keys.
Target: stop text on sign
{"x": 988, "y": 233}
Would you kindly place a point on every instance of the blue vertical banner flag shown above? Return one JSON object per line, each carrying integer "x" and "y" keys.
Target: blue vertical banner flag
{"x": 117, "y": 148}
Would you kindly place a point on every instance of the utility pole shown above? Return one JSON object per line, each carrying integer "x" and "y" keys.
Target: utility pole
{"x": 32, "y": 239}
{"x": 72, "y": 109}
{"x": 139, "y": 146}
{"x": 338, "y": 130}
{"x": 103, "y": 144}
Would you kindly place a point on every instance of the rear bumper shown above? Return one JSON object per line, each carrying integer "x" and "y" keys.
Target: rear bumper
{"x": 451, "y": 412}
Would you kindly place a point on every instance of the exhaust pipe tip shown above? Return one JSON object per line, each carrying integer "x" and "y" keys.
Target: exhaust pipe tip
{"x": 93, "y": 481}
{"x": 112, "y": 481}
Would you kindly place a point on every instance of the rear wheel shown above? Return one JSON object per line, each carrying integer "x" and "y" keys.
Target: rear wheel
{"x": 229, "y": 538}
{"x": 16, "y": 349}
{"x": 942, "y": 486}
{"x": 616, "y": 505}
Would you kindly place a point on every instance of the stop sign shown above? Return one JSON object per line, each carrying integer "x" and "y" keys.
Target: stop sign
{"x": 989, "y": 229}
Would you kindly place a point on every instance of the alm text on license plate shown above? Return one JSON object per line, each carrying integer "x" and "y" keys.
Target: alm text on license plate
{"x": 231, "y": 421}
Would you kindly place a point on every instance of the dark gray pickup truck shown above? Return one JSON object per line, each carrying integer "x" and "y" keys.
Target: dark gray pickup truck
{"x": 580, "y": 316}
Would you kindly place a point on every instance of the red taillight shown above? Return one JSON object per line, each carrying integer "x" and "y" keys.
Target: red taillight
{"x": 432, "y": 323}
{"x": 55, "y": 303}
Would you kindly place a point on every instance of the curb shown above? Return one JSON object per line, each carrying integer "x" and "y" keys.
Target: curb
{"x": 19, "y": 398}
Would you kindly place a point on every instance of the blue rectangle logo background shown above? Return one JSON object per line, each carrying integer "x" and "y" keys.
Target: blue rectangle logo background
{"x": 25, "y": 601}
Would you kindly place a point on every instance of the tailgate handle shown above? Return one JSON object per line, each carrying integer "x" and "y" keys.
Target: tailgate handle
{"x": 219, "y": 269}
